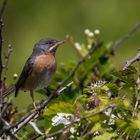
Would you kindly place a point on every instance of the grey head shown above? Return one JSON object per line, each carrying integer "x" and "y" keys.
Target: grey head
{"x": 49, "y": 45}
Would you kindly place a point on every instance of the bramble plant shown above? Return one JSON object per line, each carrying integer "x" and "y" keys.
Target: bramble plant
{"x": 89, "y": 99}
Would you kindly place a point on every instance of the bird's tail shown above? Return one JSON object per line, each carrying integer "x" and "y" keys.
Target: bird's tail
{"x": 9, "y": 91}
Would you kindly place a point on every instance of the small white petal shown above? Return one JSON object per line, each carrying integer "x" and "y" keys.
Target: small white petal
{"x": 15, "y": 75}
{"x": 91, "y": 34}
{"x": 97, "y": 32}
{"x": 89, "y": 46}
{"x": 72, "y": 130}
{"x": 61, "y": 118}
{"x": 78, "y": 46}
{"x": 87, "y": 31}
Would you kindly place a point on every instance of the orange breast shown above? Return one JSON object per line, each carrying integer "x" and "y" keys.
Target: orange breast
{"x": 44, "y": 68}
{"x": 43, "y": 62}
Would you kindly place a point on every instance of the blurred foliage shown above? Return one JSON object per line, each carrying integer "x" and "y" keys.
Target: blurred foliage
{"x": 96, "y": 85}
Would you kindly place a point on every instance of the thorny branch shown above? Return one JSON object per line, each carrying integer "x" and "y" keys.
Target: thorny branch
{"x": 5, "y": 106}
{"x": 8, "y": 91}
{"x": 1, "y": 25}
{"x": 131, "y": 61}
{"x": 126, "y": 36}
{"x": 4, "y": 122}
{"x": 5, "y": 67}
{"x": 6, "y": 64}
{"x": 35, "y": 112}
{"x": 1, "y": 40}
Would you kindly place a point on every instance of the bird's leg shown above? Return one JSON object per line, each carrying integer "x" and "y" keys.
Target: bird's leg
{"x": 32, "y": 96}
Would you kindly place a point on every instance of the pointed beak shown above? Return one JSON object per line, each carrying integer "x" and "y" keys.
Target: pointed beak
{"x": 60, "y": 42}
{"x": 54, "y": 47}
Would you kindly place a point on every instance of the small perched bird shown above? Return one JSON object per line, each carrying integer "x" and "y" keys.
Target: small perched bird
{"x": 39, "y": 68}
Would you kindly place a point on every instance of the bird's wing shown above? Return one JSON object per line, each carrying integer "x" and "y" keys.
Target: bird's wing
{"x": 24, "y": 75}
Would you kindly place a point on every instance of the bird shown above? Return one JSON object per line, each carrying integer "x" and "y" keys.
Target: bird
{"x": 39, "y": 68}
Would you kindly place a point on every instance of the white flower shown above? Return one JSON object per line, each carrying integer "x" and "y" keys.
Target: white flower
{"x": 15, "y": 75}
{"x": 98, "y": 83}
{"x": 91, "y": 34}
{"x": 108, "y": 111}
{"x": 87, "y": 31}
{"x": 97, "y": 32}
{"x": 89, "y": 46}
{"x": 9, "y": 45}
{"x": 78, "y": 46}
{"x": 62, "y": 118}
{"x": 72, "y": 130}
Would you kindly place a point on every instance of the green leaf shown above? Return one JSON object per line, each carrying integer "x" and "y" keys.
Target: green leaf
{"x": 59, "y": 107}
{"x": 128, "y": 126}
{"x": 55, "y": 128}
{"x": 129, "y": 70}
{"x": 105, "y": 136}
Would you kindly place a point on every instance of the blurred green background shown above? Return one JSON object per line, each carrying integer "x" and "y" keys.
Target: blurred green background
{"x": 26, "y": 22}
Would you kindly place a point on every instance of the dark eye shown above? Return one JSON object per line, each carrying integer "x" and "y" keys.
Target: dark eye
{"x": 50, "y": 43}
